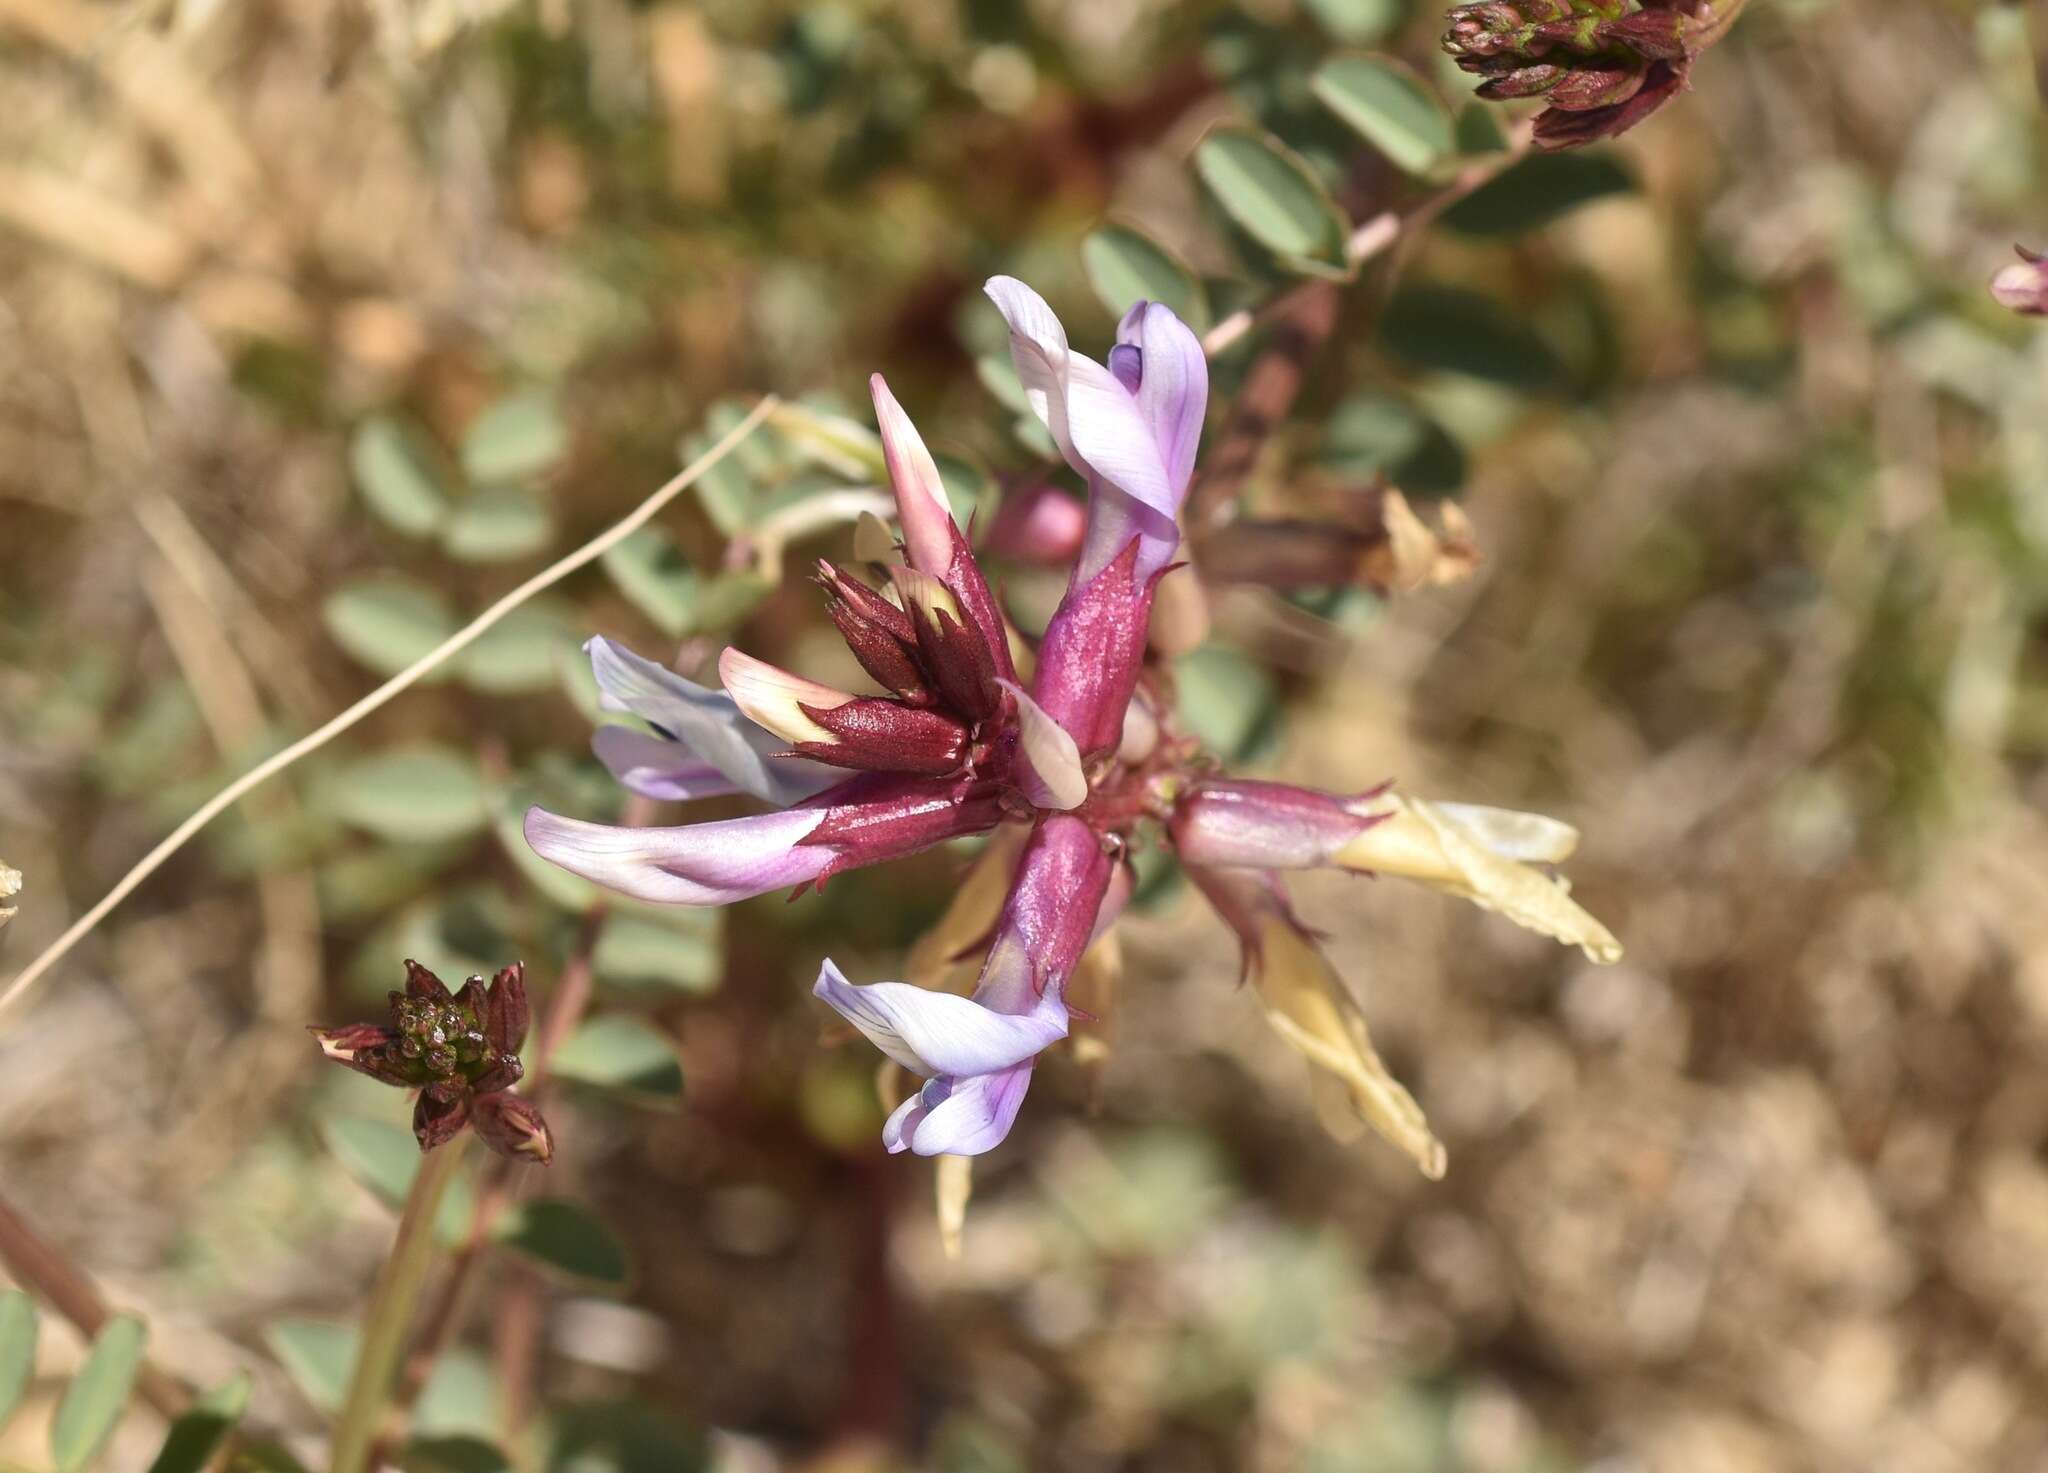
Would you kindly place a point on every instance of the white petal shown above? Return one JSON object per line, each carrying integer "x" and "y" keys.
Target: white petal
{"x": 707, "y": 722}
{"x": 1097, "y": 425}
{"x": 696, "y": 864}
{"x": 935, "y": 1033}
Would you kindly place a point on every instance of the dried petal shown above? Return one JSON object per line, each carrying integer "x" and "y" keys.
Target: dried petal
{"x": 1448, "y": 849}
{"x": 1308, "y": 1005}
{"x": 953, "y": 1184}
{"x": 969, "y": 920}
{"x": 873, "y": 542}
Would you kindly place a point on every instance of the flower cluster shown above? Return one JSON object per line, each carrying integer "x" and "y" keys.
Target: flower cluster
{"x": 460, "y": 1050}
{"x": 1601, "y": 65}
{"x": 1068, "y": 750}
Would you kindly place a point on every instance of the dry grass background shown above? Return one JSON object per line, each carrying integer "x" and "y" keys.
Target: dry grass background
{"x": 1761, "y": 611}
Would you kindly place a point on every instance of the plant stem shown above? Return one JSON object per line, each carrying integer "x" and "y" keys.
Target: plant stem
{"x": 41, "y": 1266}
{"x": 389, "y": 1315}
{"x": 568, "y": 1000}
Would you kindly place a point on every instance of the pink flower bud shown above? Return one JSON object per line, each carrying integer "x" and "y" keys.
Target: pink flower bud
{"x": 1039, "y": 524}
{"x": 2024, "y": 287}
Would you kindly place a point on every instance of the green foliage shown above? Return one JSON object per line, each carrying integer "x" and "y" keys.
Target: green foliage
{"x": 518, "y": 437}
{"x": 651, "y": 571}
{"x": 1275, "y": 197}
{"x": 196, "y": 1436}
{"x": 660, "y": 957}
{"x": 1227, "y": 700}
{"x": 385, "y": 1158}
{"x": 1539, "y": 189}
{"x": 1371, "y": 432}
{"x": 1124, "y": 267}
{"x": 1358, "y": 22}
{"x": 567, "y": 1241}
{"x": 98, "y": 1395}
{"x": 1463, "y": 331}
{"x": 387, "y": 622}
{"x": 318, "y": 1356}
{"x": 622, "y": 1437}
{"x": 18, "y": 1326}
{"x": 1390, "y": 107}
{"x": 621, "y": 1055}
{"x": 452, "y": 1455}
{"x": 497, "y": 525}
{"x": 522, "y": 653}
{"x": 418, "y": 793}
{"x": 395, "y": 472}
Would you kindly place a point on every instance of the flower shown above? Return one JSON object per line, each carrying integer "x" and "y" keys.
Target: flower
{"x": 460, "y": 1051}
{"x": 1069, "y": 769}
{"x": 2023, "y": 287}
{"x": 976, "y": 1054}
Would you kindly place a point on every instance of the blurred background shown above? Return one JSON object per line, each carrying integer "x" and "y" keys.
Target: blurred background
{"x": 323, "y": 324}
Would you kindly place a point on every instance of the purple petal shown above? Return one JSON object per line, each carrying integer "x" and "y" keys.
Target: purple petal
{"x": 1127, "y": 364}
{"x": 972, "y": 1116}
{"x": 696, "y": 864}
{"x": 1173, "y": 390}
{"x": 656, "y": 767}
{"x": 706, "y": 723}
{"x": 1093, "y": 419}
{"x": 937, "y": 1033}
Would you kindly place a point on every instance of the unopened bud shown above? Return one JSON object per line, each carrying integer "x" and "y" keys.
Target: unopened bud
{"x": 1602, "y": 65}
{"x": 512, "y": 1126}
{"x": 1039, "y": 524}
{"x": 2023, "y": 287}
{"x": 443, "y": 1110}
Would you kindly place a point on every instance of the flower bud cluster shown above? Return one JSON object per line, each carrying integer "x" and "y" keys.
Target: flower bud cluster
{"x": 1601, "y": 65}
{"x": 460, "y": 1050}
